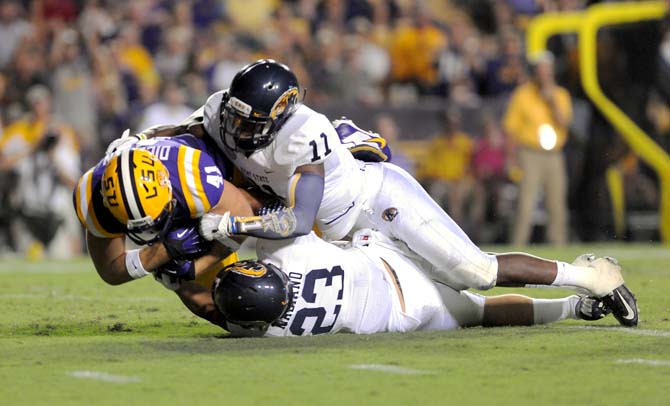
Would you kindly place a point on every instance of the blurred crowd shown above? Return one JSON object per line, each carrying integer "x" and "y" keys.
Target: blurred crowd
{"x": 75, "y": 73}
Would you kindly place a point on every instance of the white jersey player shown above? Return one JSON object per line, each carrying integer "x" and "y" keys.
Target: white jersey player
{"x": 306, "y": 286}
{"x": 290, "y": 151}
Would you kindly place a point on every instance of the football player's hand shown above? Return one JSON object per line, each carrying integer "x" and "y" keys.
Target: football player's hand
{"x": 186, "y": 243}
{"x": 124, "y": 142}
{"x": 168, "y": 281}
{"x": 216, "y": 226}
{"x": 179, "y": 269}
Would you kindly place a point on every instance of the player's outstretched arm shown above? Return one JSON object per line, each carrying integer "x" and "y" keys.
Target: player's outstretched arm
{"x": 305, "y": 194}
{"x": 116, "y": 266}
{"x": 198, "y": 299}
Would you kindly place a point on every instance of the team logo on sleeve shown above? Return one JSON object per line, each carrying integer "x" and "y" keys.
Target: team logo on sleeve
{"x": 282, "y": 102}
{"x": 389, "y": 214}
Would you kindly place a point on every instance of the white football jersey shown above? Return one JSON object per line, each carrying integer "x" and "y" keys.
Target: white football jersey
{"x": 333, "y": 290}
{"x": 363, "y": 290}
{"x": 307, "y": 137}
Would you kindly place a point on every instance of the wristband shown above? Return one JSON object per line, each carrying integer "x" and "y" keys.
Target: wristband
{"x": 134, "y": 266}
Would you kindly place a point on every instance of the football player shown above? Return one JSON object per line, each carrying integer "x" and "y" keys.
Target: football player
{"x": 290, "y": 151}
{"x": 154, "y": 193}
{"x": 373, "y": 285}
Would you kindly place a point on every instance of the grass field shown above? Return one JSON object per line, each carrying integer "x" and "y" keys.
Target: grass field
{"x": 66, "y": 338}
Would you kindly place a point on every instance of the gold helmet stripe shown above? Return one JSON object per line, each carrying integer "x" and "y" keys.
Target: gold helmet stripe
{"x": 127, "y": 179}
{"x": 81, "y": 205}
{"x": 85, "y": 211}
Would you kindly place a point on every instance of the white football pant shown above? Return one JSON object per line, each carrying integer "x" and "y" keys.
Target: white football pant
{"x": 394, "y": 203}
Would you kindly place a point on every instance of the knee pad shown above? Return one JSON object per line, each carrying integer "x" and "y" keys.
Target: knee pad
{"x": 480, "y": 272}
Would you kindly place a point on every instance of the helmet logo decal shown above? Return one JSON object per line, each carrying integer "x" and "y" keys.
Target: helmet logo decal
{"x": 136, "y": 190}
{"x": 108, "y": 194}
{"x": 254, "y": 270}
{"x": 240, "y": 106}
{"x": 283, "y": 101}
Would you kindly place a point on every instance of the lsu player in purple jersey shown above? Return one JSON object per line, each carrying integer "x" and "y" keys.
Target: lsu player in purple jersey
{"x": 293, "y": 152}
{"x": 154, "y": 193}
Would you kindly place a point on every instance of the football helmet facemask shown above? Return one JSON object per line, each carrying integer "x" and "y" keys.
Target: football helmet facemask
{"x": 252, "y": 294}
{"x": 262, "y": 96}
{"x": 136, "y": 189}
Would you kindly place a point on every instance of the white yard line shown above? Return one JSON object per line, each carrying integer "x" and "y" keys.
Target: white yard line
{"x": 104, "y": 377}
{"x": 652, "y": 362}
{"x": 392, "y": 369}
{"x": 634, "y": 331}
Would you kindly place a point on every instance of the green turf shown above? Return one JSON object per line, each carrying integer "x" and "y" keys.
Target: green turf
{"x": 58, "y": 318}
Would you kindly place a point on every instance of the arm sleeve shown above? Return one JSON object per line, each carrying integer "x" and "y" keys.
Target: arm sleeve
{"x": 305, "y": 193}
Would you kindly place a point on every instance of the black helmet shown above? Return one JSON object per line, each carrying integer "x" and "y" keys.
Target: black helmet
{"x": 262, "y": 96}
{"x": 252, "y": 294}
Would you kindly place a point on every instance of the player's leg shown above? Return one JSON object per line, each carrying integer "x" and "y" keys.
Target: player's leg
{"x": 471, "y": 309}
{"x": 403, "y": 210}
{"x": 519, "y": 310}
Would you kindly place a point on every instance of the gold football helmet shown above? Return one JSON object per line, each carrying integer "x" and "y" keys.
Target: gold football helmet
{"x": 136, "y": 189}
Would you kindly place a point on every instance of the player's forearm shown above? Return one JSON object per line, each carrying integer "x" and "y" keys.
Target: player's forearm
{"x": 198, "y": 300}
{"x": 213, "y": 258}
{"x": 117, "y": 266}
{"x": 163, "y": 131}
{"x": 305, "y": 194}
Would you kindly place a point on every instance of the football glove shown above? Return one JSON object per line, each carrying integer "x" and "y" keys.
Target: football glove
{"x": 124, "y": 142}
{"x": 186, "y": 243}
{"x": 168, "y": 281}
{"x": 179, "y": 269}
{"x": 216, "y": 226}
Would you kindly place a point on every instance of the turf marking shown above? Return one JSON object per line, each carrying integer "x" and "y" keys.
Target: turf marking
{"x": 392, "y": 369}
{"x": 652, "y": 362}
{"x": 104, "y": 377}
{"x": 635, "y": 331}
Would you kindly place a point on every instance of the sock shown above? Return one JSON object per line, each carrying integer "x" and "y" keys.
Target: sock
{"x": 572, "y": 276}
{"x": 551, "y": 310}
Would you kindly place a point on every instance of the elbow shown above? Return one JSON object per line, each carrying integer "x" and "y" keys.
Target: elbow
{"x": 112, "y": 281}
{"x": 304, "y": 222}
{"x": 110, "y": 278}
{"x": 301, "y": 230}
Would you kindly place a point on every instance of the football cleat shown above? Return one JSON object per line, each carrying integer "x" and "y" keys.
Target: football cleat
{"x": 623, "y": 304}
{"x": 611, "y": 289}
{"x": 590, "y": 308}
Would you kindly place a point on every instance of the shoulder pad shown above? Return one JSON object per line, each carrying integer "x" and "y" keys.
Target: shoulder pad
{"x": 212, "y": 113}
{"x": 310, "y": 143}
